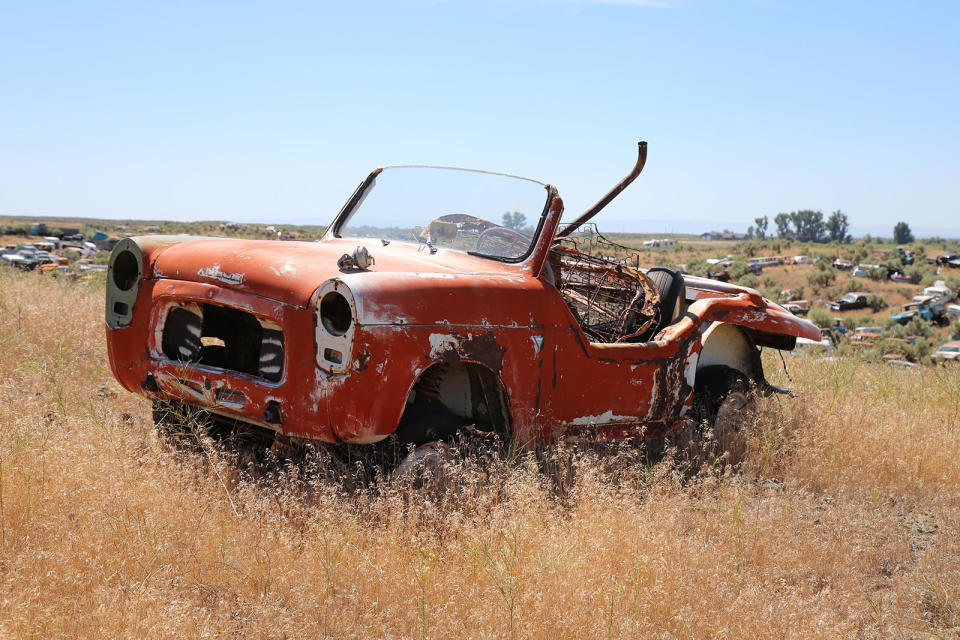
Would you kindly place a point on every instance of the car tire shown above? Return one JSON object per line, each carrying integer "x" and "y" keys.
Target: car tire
{"x": 427, "y": 421}
{"x": 426, "y": 466}
{"x": 724, "y": 403}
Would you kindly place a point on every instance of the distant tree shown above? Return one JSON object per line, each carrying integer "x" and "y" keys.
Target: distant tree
{"x": 514, "y": 220}
{"x": 782, "y": 220}
{"x": 761, "y": 230}
{"x": 808, "y": 225}
{"x": 837, "y": 227}
{"x": 750, "y": 234}
{"x": 821, "y": 278}
{"x": 902, "y": 233}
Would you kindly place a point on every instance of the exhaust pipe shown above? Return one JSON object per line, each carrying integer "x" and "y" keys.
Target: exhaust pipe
{"x": 613, "y": 193}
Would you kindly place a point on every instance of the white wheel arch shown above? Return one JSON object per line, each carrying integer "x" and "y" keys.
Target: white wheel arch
{"x": 727, "y": 345}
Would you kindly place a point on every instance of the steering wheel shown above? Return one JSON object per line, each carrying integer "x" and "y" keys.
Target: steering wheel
{"x": 510, "y": 237}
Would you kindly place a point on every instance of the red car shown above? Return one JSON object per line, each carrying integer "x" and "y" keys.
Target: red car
{"x": 419, "y": 315}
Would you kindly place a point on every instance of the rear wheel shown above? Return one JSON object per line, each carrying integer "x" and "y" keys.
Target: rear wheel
{"x": 425, "y": 465}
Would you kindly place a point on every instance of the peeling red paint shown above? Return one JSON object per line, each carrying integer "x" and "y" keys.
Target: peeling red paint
{"x": 411, "y": 311}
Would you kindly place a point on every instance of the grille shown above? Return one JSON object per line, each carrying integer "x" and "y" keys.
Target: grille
{"x": 225, "y": 338}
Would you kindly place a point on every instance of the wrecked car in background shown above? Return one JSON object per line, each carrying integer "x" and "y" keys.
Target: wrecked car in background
{"x": 852, "y": 300}
{"x": 949, "y": 352}
{"x": 931, "y": 310}
{"x": 418, "y": 316}
{"x": 797, "y": 307}
{"x": 866, "y": 336}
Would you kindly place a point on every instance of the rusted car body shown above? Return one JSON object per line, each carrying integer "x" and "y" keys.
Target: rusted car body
{"x": 548, "y": 343}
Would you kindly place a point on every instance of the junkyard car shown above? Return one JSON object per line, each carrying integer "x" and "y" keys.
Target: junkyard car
{"x": 826, "y": 341}
{"x": 897, "y": 360}
{"x": 842, "y": 264}
{"x": 931, "y": 310}
{"x": 853, "y": 300}
{"x": 417, "y": 315}
{"x": 949, "y": 352}
{"x": 866, "y": 335}
{"x": 797, "y": 307}
{"x": 939, "y": 291}
{"x": 945, "y": 258}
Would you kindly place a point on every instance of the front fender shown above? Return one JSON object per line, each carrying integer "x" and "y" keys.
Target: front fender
{"x": 754, "y": 312}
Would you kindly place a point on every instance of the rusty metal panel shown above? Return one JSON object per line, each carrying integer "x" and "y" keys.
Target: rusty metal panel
{"x": 572, "y": 334}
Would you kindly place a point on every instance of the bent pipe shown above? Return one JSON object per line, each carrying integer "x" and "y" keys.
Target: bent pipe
{"x": 613, "y": 193}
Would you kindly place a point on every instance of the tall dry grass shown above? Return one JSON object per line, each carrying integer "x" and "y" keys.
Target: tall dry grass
{"x": 844, "y": 521}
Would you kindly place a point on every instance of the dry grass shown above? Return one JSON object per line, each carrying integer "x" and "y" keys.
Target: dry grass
{"x": 843, "y": 523}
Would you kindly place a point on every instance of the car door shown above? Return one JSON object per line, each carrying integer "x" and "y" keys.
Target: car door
{"x": 607, "y": 390}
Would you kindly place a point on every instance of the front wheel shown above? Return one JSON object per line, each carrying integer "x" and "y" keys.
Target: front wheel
{"x": 724, "y": 404}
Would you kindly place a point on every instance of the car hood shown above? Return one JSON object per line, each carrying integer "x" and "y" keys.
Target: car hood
{"x": 905, "y": 314}
{"x": 291, "y": 271}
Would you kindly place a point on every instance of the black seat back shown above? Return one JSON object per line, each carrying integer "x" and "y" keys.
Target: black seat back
{"x": 672, "y": 294}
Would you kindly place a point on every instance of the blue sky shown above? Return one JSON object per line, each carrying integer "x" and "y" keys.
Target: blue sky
{"x": 273, "y": 112}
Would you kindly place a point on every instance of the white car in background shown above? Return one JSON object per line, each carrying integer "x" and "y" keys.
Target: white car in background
{"x": 947, "y": 352}
{"x": 826, "y": 341}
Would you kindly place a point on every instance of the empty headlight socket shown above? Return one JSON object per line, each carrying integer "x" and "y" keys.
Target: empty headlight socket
{"x": 336, "y": 322}
{"x": 124, "y": 274}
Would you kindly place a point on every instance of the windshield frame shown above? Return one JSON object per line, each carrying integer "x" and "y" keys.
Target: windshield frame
{"x": 356, "y": 199}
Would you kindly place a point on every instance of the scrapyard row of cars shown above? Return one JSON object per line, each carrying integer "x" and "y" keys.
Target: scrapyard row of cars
{"x": 48, "y": 257}
{"x": 868, "y": 336}
{"x": 934, "y": 304}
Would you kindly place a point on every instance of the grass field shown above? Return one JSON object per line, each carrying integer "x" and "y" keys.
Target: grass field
{"x": 844, "y": 521}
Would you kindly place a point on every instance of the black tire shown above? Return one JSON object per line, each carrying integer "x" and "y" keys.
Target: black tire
{"x": 424, "y": 422}
{"x": 724, "y": 403}
{"x": 426, "y": 466}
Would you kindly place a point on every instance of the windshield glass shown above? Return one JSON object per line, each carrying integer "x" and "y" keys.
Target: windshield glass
{"x": 473, "y": 211}
{"x": 849, "y": 297}
{"x": 949, "y": 349}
